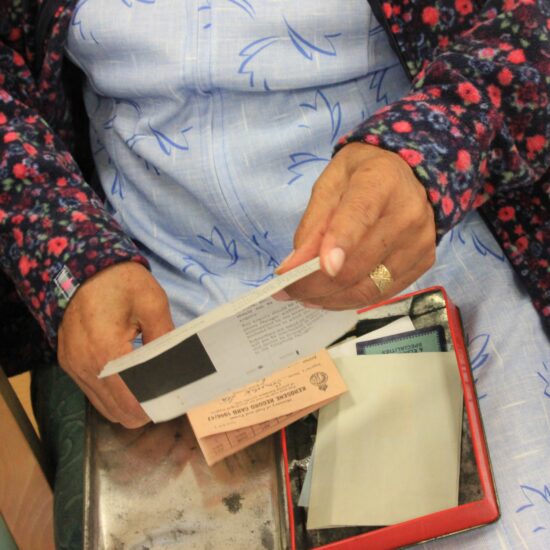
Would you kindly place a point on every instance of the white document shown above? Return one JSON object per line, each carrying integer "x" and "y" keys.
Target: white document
{"x": 235, "y": 344}
{"x": 388, "y": 450}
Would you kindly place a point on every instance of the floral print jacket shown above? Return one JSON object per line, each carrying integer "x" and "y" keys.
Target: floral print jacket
{"x": 474, "y": 128}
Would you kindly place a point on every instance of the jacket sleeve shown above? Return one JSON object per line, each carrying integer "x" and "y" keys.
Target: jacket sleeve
{"x": 54, "y": 231}
{"x": 475, "y": 123}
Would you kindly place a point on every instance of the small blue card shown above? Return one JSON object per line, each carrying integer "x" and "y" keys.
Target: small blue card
{"x": 415, "y": 341}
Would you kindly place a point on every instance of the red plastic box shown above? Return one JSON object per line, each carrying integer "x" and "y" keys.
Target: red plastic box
{"x": 475, "y": 513}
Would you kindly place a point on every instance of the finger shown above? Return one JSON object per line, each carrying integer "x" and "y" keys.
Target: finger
{"x": 126, "y": 401}
{"x": 415, "y": 251}
{"x": 96, "y": 401}
{"x": 336, "y": 212}
{"x": 376, "y": 246}
{"x": 154, "y": 321}
{"x": 405, "y": 270}
{"x": 114, "y": 400}
{"x": 324, "y": 199}
{"x": 87, "y": 383}
{"x": 358, "y": 213}
{"x": 409, "y": 226}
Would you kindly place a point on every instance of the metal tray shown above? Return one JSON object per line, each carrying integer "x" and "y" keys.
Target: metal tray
{"x": 151, "y": 488}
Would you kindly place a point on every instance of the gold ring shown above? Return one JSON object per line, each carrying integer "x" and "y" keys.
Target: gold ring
{"x": 381, "y": 277}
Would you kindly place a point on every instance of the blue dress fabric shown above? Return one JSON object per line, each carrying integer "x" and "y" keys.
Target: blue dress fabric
{"x": 510, "y": 358}
{"x": 196, "y": 136}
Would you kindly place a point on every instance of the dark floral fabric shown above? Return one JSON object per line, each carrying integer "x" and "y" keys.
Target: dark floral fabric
{"x": 54, "y": 231}
{"x": 474, "y": 129}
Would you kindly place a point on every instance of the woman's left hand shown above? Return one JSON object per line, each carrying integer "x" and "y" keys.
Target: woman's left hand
{"x": 367, "y": 210}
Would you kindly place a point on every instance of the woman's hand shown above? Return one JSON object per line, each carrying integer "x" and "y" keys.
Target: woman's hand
{"x": 101, "y": 321}
{"x": 367, "y": 209}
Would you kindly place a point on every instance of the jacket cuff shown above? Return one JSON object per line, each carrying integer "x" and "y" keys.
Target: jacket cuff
{"x": 48, "y": 274}
{"x": 444, "y": 151}
{"x": 68, "y": 277}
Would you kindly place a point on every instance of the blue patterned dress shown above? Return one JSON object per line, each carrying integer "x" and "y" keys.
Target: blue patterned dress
{"x": 208, "y": 141}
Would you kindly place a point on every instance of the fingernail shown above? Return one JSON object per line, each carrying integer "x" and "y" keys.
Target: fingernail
{"x": 288, "y": 257}
{"x": 281, "y": 265}
{"x": 334, "y": 261}
{"x": 281, "y": 296}
{"x": 311, "y": 306}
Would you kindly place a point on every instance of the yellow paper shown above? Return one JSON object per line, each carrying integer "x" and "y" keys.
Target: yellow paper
{"x": 302, "y": 385}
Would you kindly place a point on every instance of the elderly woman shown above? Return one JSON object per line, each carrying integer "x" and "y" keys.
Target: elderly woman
{"x": 211, "y": 129}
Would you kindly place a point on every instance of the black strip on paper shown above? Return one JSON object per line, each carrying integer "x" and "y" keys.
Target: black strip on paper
{"x": 178, "y": 366}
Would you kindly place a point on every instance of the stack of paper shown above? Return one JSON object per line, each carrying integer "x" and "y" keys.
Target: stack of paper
{"x": 389, "y": 449}
{"x": 386, "y": 451}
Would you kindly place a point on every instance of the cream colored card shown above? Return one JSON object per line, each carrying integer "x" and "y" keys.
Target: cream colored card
{"x": 301, "y": 385}
{"x": 219, "y": 446}
{"x": 389, "y": 449}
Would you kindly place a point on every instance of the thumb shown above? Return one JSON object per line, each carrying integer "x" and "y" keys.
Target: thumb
{"x": 305, "y": 252}
{"x": 358, "y": 212}
{"x": 156, "y": 322}
{"x": 311, "y": 230}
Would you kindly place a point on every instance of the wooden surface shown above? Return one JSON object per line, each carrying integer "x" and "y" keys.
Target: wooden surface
{"x": 21, "y": 384}
{"x": 26, "y": 500}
